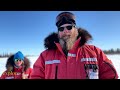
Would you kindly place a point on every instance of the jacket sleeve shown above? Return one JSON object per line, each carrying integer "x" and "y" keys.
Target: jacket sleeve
{"x": 28, "y": 72}
{"x": 3, "y": 75}
{"x": 106, "y": 67}
{"x": 38, "y": 71}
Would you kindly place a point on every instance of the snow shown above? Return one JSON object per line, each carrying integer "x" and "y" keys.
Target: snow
{"x": 114, "y": 58}
{"x": 116, "y": 62}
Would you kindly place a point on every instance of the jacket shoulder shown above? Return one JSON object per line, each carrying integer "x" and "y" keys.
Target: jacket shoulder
{"x": 93, "y": 47}
{"x": 48, "y": 52}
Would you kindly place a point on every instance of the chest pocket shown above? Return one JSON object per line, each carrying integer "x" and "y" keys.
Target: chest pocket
{"x": 51, "y": 68}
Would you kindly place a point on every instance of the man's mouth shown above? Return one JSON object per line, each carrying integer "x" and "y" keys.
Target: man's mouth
{"x": 66, "y": 37}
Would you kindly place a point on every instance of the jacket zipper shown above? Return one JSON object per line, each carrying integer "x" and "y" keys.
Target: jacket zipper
{"x": 56, "y": 71}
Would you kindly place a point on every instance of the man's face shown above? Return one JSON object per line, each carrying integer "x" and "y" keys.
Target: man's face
{"x": 66, "y": 31}
{"x": 67, "y": 35}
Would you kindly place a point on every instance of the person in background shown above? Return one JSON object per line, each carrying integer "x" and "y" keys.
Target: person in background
{"x": 17, "y": 67}
{"x": 69, "y": 56}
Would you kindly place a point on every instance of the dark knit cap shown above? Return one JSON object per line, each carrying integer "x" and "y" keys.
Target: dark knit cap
{"x": 65, "y": 18}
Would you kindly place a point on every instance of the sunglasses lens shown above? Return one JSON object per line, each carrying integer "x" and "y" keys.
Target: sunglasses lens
{"x": 16, "y": 60}
{"x": 69, "y": 27}
{"x": 60, "y": 28}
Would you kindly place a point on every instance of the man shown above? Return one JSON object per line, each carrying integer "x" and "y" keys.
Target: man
{"x": 68, "y": 56}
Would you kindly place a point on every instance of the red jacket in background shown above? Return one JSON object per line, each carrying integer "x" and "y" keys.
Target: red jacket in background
{"x": 17, "y": 74}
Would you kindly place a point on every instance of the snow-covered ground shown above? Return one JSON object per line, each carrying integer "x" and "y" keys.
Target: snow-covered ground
{"x": 116, "y": 62}
{"x": 114, "y": 58}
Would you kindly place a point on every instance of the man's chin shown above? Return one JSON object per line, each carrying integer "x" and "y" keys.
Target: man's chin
{"x": 66, "y": 38}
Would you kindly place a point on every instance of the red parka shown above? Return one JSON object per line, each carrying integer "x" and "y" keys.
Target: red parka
{"x": 82, "y": 62}
{"x": 17, "y": 74}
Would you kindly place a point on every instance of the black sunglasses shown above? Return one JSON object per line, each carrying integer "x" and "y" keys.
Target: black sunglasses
{"x": 67, "y": 27}
{"x": 16, "y": 60}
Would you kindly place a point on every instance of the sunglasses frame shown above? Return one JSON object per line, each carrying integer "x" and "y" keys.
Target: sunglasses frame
{"x": 69, "y": 27}
{"x": 16, "y": 60}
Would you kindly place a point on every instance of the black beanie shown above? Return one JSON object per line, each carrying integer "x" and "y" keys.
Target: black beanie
{"x": 65, "y": 18}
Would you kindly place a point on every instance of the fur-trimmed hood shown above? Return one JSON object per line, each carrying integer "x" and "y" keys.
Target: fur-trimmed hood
{"x": 10, "y": 63}
{"x": 49, "y": 41}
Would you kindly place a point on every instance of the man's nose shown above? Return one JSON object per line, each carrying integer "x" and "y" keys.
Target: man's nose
{"x": 65, "y": 30}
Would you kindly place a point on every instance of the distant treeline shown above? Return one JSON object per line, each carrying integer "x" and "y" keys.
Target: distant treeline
{"x": 5, "y": 54}
{"x": 9, "y": 54}
{"x": 111, "y": 51}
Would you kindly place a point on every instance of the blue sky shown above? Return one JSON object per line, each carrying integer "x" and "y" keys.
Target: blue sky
{"x": 26, "y": 30}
